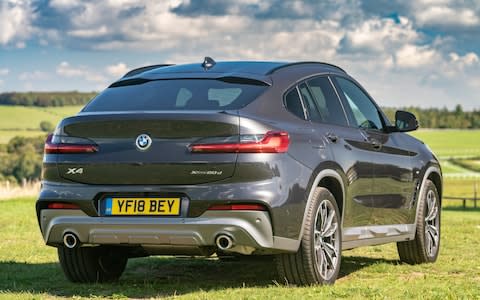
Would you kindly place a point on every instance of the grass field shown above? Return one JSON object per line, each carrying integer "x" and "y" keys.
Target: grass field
{"x": 460, "y": 187}
{"x": 29, "y": 269}
{"x": 25, "y": 120}
{"x": 450, "y": 142}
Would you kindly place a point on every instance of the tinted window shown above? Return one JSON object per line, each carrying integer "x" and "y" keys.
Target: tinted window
{"x": 178, "y": 94}
{"x": 294, "y": 104}
{"x": 309, "y": 103}
{"x": 365, "y": 113}
{"x": 327, "y": 101}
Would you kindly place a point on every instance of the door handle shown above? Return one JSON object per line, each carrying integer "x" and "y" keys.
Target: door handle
{"x": 332, "y": 137}
{"x": 375, "y": 144}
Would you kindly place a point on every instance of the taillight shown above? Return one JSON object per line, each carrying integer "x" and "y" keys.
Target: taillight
{"x": 272, "y": 142}
{"x": 60, "y": 205}
{"x": 76, "y": 146}
{"x": 246, "y": 206}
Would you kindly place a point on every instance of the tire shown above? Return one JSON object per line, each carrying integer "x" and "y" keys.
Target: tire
{"x": 426, "y": 245}
{"x": 92, "y": 264}
{"x": 318, "y": 258}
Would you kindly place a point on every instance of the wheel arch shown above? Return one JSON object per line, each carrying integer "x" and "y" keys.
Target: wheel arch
{"x": 432, "y": 173}
{"x": 332, "y": 180}
{"x": 436, "y": 178}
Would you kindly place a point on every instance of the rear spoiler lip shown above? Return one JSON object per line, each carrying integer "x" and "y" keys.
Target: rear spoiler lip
{"x": 98, "y": 115}
{"x": 144, "y": 69}
{"x": 146, "y": 77}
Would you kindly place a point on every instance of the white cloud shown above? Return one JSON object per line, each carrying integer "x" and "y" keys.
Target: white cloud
{"x": 467, "y": 60}
{"x": 15, "y": 22}
{"x": 64, "y": 4}
{"x": 379, "y": 35}
{"x": 412, "y": 56}
{"x": 89, "y": 33}
{"x": 66, "y": 70}
{"x": 4, "y": 72}
{"x": 117, "y": 70}
{"x": 444, "y": 15}
{"x": 34, "y": 75}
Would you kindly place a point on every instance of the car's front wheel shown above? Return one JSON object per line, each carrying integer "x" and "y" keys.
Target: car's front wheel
{"x": 92, "y": 264}
{"x": 317, "y": 261}
{"x": 426, "y": 245}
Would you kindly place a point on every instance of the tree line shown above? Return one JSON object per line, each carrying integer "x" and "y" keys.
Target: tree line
{"x": 45, "y": 99}
{"x": 441, "y": 117}
{"x": 428, "y": 117}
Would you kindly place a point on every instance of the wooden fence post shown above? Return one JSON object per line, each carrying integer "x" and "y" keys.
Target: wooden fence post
{"x": 475, "y": 195}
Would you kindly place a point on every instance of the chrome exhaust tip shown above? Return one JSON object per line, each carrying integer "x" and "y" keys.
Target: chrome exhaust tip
{"x": 224, "y": 242}
{"x": 70, "y": 240}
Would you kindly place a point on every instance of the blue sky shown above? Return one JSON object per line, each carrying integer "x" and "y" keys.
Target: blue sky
{"x": 423, "y": 53}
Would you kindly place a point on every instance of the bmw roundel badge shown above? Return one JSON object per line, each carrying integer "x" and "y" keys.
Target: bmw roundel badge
{"x": 143, "y": 142}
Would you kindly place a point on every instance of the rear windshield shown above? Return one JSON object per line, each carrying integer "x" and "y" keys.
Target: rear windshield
{"x": 178, "y": 94}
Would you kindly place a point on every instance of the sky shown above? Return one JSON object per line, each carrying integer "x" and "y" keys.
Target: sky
{"x": 422, "y": 53}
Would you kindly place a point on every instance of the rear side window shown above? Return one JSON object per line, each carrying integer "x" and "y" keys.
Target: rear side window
{"x": 328, "y": 104}
{"x": 177, "y": 94}
{"x": 294, "y": 104}
{"x": 309, "y": 103}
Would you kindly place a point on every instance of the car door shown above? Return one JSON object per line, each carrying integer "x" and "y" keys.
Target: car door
{"x": 344, "y": 144}
{"x": 392, "y": 193}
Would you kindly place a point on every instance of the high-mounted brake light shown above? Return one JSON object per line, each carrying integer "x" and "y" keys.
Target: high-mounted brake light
{"x": 272, "y": 142}
{"x": 247, "y": 206}
{"x": 67, "y": 148}
{"x": 59, "y": 205}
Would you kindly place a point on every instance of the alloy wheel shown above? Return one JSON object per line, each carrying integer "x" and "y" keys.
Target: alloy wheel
{"x": 327, "y": 240}
{"x": 432, "y": 224}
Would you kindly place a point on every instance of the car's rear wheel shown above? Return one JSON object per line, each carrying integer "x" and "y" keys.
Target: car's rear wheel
{"x": 317, "y": 261}
{"x": 426, "y": 245}
{"x": 92, "y": 264}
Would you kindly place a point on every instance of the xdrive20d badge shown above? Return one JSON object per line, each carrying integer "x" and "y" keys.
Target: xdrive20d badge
{"x": 294, "y": 161}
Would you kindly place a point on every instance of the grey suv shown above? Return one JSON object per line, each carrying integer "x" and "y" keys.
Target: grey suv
{"x": 294, "y": 160}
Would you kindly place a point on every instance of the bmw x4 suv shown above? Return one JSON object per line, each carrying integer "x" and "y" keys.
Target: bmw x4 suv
{"x": 293, "y": 160}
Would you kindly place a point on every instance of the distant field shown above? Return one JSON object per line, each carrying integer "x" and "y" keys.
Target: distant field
{"x": 450, "y": 142}
{"x": 25, "y": 120}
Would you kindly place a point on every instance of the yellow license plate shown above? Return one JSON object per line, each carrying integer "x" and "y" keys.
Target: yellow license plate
{"x": 143, "y": 206}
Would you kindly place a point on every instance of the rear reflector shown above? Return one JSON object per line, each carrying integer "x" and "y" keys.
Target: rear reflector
{"x": 52, "y": 148}
{"x": 272, "y": 142}
{"x": 59, "y": 205}
{"x": 258, "y": 207}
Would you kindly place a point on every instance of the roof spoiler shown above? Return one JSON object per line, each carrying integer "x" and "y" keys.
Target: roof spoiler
{"x": 144, "y": 69}
{"x": 230, "y": 79}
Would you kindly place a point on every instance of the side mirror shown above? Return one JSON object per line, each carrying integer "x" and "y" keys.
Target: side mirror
{"x": 405, "y": 121}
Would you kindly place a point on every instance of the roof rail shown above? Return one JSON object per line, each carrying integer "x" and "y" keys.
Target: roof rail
{"x": 144, "y": 69}
{"x": 301, "y": 63}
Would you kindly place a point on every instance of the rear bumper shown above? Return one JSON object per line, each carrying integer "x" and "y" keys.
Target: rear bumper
{"x": 251, "y": 231}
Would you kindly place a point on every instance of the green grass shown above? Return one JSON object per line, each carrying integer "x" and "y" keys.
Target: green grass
{"x": 472, "y": 164}
{"x": 29, "y": 269}
{"x": 460, "y": 187}
{"x": 450, "y": 142}
{"x": 451, "y": 146}
{"x": 25, "y": 120}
